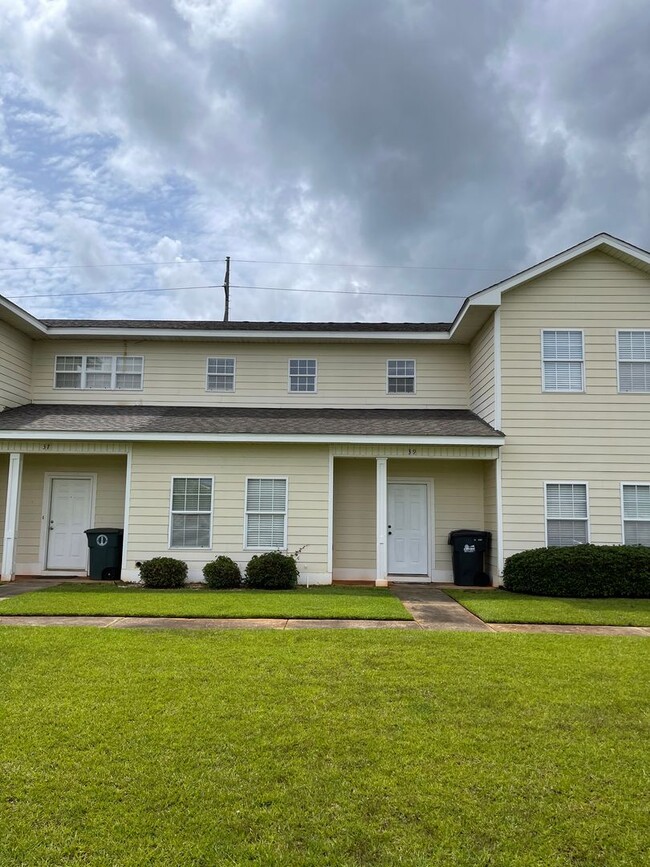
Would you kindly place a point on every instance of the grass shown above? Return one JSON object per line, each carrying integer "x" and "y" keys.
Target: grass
{"x": 337, "y": 748}
{"x": 350, "y": 603}
{"x": 503, "y": 607}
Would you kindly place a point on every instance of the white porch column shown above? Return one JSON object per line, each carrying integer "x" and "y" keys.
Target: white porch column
{"x": 382, "y": 523}
{"x": 11, "y": 515}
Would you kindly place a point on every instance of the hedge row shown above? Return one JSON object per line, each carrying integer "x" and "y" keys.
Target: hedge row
{"x": 580, "y": 571}
{"x": 271, "y": 571}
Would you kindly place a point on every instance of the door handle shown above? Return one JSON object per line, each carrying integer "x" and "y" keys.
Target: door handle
{"x": 51, "y": 525}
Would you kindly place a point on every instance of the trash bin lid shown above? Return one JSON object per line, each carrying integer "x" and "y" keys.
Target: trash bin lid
{"x": 459, "y": 534}
{"x": 104, "y": 530}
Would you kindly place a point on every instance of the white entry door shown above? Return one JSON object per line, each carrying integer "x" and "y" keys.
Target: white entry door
{"x": 70, "y": 515}
{"x": 408, "y": 539}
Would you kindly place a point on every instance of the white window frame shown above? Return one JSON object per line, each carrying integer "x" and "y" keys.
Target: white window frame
{"x": 173, "y": 512}
{"x": 84, "y": 361}
{"x": 620, "y": 331}
{"x": 546, "y": 515}
{"x": 415, "y": 377}
{"x": 289, "y": 389}
{"x": 208, "y": 374}
{"x": 285, "y": 479}
{"x": 545, "y": 390}
{"x": 623, "y": 518}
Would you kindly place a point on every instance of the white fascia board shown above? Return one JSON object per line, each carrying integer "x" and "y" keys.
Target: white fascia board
{"x": 117, "y": 436}
{"x": 300, "y": 336}
{"x": 492, "y": 295}
{"x": 31, "y": 322}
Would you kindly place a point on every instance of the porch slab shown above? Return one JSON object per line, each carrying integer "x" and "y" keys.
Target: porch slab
{"x": 433, "y": 609}
{"x": 26, "y": 585}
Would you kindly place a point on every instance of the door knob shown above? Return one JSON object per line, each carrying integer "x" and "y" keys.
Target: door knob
{"x": 51, "y": 525}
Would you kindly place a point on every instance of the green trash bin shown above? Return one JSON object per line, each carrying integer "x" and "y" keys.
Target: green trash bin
{"x": 105, "y": 545}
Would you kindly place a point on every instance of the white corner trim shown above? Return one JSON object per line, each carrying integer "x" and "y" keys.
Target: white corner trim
{"x": 497, "y": 368}
{"x": 500, "y": 541}
{"x": 127, "y": 506}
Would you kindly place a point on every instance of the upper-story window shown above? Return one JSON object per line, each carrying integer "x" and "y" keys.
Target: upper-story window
{"x": 634, "y": 361}
{"x": 99, "y": 372}
{"x": 221, "y": 374}
{"x": 400, "y": 376}
{"x": 302, "y": 375}
{"x": 563, "y": 360}
{"x": 636, "y": 514}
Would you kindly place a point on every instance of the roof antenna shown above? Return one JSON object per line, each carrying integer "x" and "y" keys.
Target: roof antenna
{"x": 226, "y": 291}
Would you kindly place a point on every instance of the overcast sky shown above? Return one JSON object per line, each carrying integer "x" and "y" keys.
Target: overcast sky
{"x": 474, "y": 137}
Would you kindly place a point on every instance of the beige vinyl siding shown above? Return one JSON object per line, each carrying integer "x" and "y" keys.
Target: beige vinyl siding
{"x": 354, "y": 536}
{"x": 600, "y": 437}
{"x": 481, "y": 372}
{"x": 15, "y": 367}
{"x": 175, "y": 373}
{"x": 458, "y": 502}
{"x": 305, "y": 467}
{"x": 109, "y": 498}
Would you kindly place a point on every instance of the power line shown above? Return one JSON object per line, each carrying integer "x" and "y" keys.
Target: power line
{"x": 248, "y": 262}
{"x": 233, "y": 286}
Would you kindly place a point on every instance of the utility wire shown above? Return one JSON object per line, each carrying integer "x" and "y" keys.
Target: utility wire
{"x": 248, "y": 262}
{"x": 233, "y": 286}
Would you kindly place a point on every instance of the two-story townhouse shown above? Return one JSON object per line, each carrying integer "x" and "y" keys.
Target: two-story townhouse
{"x": 362, "y": 444}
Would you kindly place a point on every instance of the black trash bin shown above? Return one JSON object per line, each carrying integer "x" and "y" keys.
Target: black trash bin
{"x": 468, "y": 552}
{"x": 105, "y": 545}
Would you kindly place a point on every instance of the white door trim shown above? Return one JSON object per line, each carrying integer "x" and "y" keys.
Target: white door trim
{"x": 431, "y": 515}
{"x": 45, "y": 516}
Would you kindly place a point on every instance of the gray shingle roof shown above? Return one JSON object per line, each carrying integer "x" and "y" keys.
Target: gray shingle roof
{"x": 236, "y": 420}
{"x": 182, "y": 325}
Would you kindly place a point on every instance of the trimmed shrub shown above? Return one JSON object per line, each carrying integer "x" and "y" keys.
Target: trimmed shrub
{"x": 272, "y": 571}
{"x": 222, "y": 573}
{"x": 580, "y": 571}
{"x": 163, "y": 572}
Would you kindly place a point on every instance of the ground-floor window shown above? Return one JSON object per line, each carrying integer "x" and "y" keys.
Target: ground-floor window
{"x": 191, "y": 512}
{"x": 266, "y": 513}
{"x": 636, "y": 514}
{"x": 567, "y": 515}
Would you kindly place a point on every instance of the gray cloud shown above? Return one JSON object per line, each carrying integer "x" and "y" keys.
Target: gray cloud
{"x": 465, "y": 134}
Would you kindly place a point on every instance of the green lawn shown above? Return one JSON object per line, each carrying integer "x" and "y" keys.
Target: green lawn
{"x": 329, "y": 748}
{"x": 367, "y": 603}
{"x": 502, "y": 607}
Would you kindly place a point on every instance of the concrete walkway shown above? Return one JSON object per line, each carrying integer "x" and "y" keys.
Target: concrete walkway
{"x": 431, "y": 609}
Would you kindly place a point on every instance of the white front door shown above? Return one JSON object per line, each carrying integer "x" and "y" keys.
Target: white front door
{"x": 408, "y": 531}
{"x": 70, "y": 515}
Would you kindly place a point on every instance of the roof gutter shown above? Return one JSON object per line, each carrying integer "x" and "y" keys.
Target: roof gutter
{"x": 179, "y": 437}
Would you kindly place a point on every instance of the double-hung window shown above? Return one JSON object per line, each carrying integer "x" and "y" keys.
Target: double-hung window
{"x": 302, "y": 374}
{"x": 191, "y": 512}
{"x": 634, "y": 361}
{"x": 221, "y": 374}
{"x": 99, "y": 372}
{"x": 563, "y": 361}
{"x": 567, "y": 515}
{"x": 266, "y": 513}
{"x": 636, "y": 514}
{"x": 400, "y": 376}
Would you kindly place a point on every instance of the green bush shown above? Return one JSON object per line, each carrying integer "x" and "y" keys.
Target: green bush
{"x": 163, "y": 572}
{"x": 222, "y": 573}
{"x": 580, "y": 571}
{"x": 272, "y": 571}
